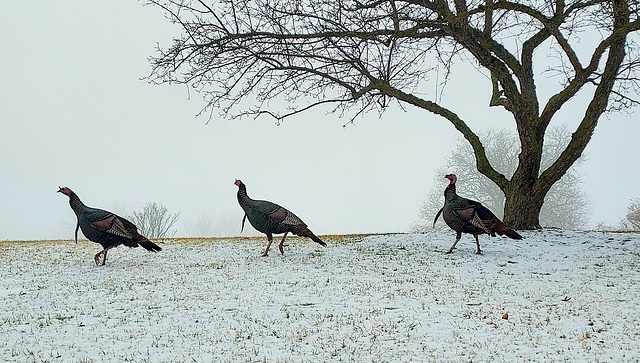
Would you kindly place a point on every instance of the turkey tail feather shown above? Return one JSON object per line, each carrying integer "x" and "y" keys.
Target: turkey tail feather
{"x": 150, "y": 246}
{"x": 315, "y": 238}
{"x": 306, "y": 232}
{"x": 146, "y": 244}
{"x": 502, "y": 229}
{"x": 243, "y": 219}
{"x": 436, "y": 218}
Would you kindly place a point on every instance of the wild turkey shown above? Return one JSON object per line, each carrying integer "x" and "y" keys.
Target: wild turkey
{"x": 270, "y": 218}
{"x": 468, "y": 216}
{"x": 105, "y": 228}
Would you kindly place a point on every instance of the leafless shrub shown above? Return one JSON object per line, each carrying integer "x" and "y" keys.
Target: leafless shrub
{"x": 632, "y": 221}
{"x": 155, "y": 221}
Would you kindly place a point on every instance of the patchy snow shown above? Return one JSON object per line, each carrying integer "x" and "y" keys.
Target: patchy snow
{"x": 568, "y": 296}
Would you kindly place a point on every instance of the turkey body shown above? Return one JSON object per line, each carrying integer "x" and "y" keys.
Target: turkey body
{"x": 270, "y": 218}
{"x": 469, "y": 216}
{"x": 105, "y": 228}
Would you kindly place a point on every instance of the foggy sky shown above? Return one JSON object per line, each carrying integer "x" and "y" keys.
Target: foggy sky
{"x": 75, "y": 112}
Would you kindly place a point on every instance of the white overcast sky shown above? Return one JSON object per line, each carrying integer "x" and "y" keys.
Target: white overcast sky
{"x": 75, "y": 113}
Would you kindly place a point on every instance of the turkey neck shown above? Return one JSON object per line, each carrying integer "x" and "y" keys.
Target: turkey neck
{"x": 76, "y": 203}
{"x": 243, "y": 198}
{"x": 450, "y": 192}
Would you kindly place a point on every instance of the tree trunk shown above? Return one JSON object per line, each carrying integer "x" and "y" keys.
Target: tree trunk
{"x": 524, "y": 197}
{"x": 522, "y": 209}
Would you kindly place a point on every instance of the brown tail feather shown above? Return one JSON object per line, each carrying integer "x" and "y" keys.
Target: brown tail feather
{"x": 148, "y": 245}
{"x": 306, "y": 232}
{"x": 316, "y": 239}
{"x": 502, "y": 229}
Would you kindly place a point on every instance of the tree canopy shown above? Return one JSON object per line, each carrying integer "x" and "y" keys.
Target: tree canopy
{"x": 357, "y": 56}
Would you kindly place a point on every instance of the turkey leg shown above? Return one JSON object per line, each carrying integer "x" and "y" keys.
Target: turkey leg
{"x": 270, "y": 239}
{"x": 458, "y": 235}
{"x": 281, "y": 245}
{"x": 479, "y": 251}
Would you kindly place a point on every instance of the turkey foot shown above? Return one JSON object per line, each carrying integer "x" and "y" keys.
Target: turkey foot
{"x": 96, "y": 258}
{"x": 453, "y": 247}
{"x": 281, "y": 248}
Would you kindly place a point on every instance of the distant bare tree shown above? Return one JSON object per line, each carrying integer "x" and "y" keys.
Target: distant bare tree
{"x": 566, "y": 205}
{"x": 227, "y": 226}
{"x": 603, "y": 227}
{"x": 202, "y": 226}
{"x": 155, "y": 221}
{"x": 632, "y": 220}
{"x": 207, "y": 226}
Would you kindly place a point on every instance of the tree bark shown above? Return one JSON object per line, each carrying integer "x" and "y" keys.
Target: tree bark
{"x": 522, "y": 208}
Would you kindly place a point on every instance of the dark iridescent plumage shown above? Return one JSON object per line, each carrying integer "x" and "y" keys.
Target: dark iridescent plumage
{"x": 468, "y": 216}
{"x": 270, "y": 218}
{"x": 105, "y": 228}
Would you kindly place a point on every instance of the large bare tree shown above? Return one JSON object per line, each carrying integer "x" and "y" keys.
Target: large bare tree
{"x": 566, "y": 204}
{"x": 358, "y": 55}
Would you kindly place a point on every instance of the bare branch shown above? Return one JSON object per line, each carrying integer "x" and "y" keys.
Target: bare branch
{"x": 358, "y": 56}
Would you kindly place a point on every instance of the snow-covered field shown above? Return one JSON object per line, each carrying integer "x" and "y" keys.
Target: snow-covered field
{"x": 554, "y": 296}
